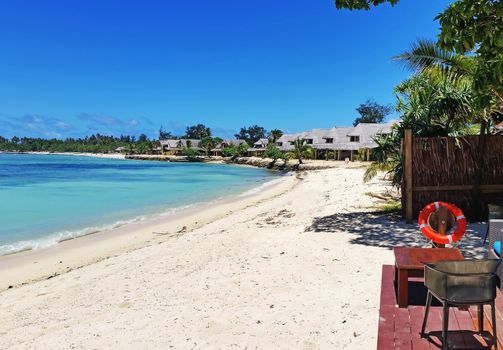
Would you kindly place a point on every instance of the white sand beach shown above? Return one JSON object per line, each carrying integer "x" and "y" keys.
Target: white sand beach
{"x": 296, "y": 267}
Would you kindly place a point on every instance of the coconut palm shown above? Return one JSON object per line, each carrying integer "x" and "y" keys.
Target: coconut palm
{"x": 387, "y": 158}
{"x": 434, "y": 105}
{"x": 275, "y": 134}
{"x": 208, "y": 143}
{"x": 437, "y": 101}
{"x": 481, "y": 77}
{"x": 486, "y": 101}
{"x": 425, "y": 55}
{"x": 300, "y": 151}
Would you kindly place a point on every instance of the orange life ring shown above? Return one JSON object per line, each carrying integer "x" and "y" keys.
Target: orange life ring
{"x": 434, "y": 235}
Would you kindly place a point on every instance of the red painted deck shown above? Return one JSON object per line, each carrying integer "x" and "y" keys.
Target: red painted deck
{"x": 399, "y": 328}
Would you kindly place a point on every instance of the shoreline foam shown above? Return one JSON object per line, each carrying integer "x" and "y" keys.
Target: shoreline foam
{"x": 30, "y": 265}
{"x": 293, "y": 269}
{"x": 52, "y": 239}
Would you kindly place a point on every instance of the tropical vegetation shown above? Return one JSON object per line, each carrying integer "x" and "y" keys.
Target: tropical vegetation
{"x": 457, "y": 82}
{"x": 371, "y": 112}
{"x": 199, "y": 132}
{"x": 273, "y": 152}
{"x": 251, "y": 134}
{"x": 275, "y": 134}
{"x": 440, "y": 99}
{"x": 300, "y": 151}
{"x": 92, "y": 144}
{"x": 471, "y": 38}
{"x": 235, "y": 151}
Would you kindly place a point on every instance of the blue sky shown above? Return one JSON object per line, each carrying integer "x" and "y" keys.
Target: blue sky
{"x": 72, "y": 68}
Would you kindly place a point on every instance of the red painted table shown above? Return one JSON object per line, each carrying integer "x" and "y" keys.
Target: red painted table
{"x": 409, "y": 262}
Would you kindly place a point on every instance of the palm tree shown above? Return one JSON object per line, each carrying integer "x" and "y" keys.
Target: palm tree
{"x": 275, "y": 134}
{"x": 435, "y": 105}
{"x": 486, "y": 101}
{"x": 437, "y": 101}
{"x": 208, "y": 143}
{"x": 300, "y": 151}
{"x": 486, "y": 96}
{"x": 387, "y": 158}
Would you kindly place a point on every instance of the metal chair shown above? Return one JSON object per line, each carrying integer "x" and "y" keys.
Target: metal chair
{"x": 496, "y": 234}
{"x": 464, "y": 282}
{"x": 495, "y": 212}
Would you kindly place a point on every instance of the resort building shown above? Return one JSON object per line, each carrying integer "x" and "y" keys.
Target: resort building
{"x": 217, "y": 151}
{"x": 120, "y": 149}
{"x": 339, "y": 142}
{"x": 175, "y": 147}
{"x": 333, "y": 143}
{"x": 258, "y": 148}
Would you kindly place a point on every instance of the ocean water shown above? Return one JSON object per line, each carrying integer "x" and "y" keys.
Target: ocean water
{"x": 48, "y": 198}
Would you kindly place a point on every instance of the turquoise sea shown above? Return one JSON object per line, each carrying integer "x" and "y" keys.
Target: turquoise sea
{"x": 48, "y": 198}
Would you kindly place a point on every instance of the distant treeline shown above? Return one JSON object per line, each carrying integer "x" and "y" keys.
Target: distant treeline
{"x": 92, "y": 144}
{"x": 98, "y": 143}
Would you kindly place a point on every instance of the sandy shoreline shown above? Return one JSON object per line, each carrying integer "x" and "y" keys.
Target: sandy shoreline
{"x": 296, "y": 267}
{"x": 33, "y": 265}
{"x": 275, "y": 273}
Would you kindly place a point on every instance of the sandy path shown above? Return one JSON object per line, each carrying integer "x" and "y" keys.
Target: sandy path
{"x": 260, "y": 278}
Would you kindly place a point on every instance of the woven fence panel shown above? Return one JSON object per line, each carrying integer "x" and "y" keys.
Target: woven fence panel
{"x": 462, "y": 161}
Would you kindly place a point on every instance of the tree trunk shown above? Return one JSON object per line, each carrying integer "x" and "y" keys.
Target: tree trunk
{"x": 477, "y": 194}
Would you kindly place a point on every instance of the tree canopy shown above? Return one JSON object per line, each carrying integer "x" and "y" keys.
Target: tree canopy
{"x": 275, "y": 134}
{"x": 93, "y": 144}
{"x": 468, "y": 26}
{"x": 164, "y": 135}
{"x": 371, "y": 112}
{"x": 251, "y": 134}
{"x": 361, "y": 4}
{"x": 199, "y": 131}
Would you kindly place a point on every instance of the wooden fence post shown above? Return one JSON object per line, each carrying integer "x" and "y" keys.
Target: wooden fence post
{"x": 409, "y": 215}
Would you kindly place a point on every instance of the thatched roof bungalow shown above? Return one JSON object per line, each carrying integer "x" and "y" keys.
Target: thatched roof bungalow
{"x": 338, "y": 142}
{"x": 226, "y": 144}
{"x": 175, "y": 146}
{"x": 258, "y": 147}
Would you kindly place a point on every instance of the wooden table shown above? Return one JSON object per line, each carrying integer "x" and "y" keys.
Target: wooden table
{"x": 409, "y": 262}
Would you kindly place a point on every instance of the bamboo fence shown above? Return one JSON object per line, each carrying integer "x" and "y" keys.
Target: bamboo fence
{"x": 466, "y": 171}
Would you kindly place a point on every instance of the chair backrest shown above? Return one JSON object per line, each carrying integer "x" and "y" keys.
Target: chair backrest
{"x": 495, "y": 211}
{"x": 463, "y": 281}
{"x": 467, "y": 266}
{"x": 495, "y": 231}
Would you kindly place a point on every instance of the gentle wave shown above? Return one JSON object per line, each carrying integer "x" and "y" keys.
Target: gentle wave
{"x": 262, "y": 187}
{"x": 58, "y": 237}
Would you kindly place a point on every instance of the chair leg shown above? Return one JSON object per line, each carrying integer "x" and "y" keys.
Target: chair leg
{"x": 493, "y": 316}
{"x": 445, "y": 327}
{"x": 481, "y": 318}
{"x": 426, "y": 312}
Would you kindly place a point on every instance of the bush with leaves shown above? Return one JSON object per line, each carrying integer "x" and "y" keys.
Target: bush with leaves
{"x": 272, "y": 152}
{"x": 199, "y": 131}
{"x": 251, "y": 134}
{"x": 300, "y": 151}
{"x": 191, "y": 154}
{"x": 371, "y": 112}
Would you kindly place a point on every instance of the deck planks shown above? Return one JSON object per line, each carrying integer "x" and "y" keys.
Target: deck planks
{"x": 399, "y": 328}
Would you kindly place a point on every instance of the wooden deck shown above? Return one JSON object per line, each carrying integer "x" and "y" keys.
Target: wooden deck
{"x": 399, "y": 328}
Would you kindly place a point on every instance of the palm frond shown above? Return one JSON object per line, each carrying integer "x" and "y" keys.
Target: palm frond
{"x": 425, "y": 54}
